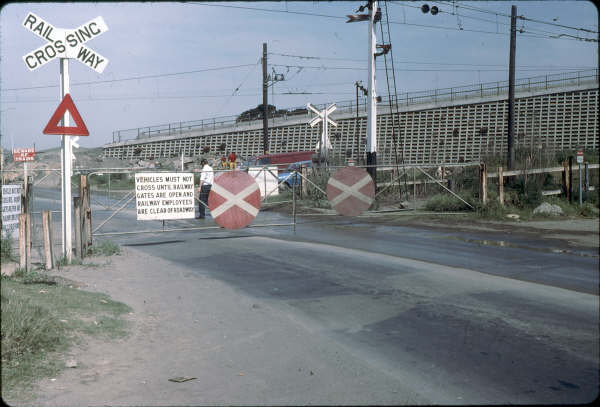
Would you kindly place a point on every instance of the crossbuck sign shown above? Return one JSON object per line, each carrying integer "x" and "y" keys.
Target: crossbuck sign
{"x": 65, "y": 43}
{"x": 322, "y": 116}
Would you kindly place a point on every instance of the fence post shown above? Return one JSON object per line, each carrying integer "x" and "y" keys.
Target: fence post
{"x": 294, "y": 202}
{"x": 22, "y": 238}
{"x": 483, "y": 183}
{"x": 570, "y": 178}
{"x": 303, "y": 183}
{"x": 501, "y": 186}
{"x": 565, "y": 179}
{"x": 86, "y": 213}
{"x": 414, "y": 189}
{"x": 47, "y": 231}
{"x": 586, "y": 186}
{"x": 77, "y": 209}
{"x": 81, "y": 217}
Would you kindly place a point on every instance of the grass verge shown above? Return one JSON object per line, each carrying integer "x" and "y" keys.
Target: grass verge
{"x": 41, "y": 318}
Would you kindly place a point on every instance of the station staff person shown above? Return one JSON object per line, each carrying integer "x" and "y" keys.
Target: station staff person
{"x": 206, "y": 181}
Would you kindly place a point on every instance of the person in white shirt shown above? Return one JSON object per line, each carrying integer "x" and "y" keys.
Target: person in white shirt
{"x": 206, "y": 181}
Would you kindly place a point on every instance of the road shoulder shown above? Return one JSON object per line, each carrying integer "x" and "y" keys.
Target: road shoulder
{"x": 239, "y": 349}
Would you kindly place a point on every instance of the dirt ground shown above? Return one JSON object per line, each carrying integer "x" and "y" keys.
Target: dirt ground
{"x": 188, "y": 325}
{"x": 185, "y": 324}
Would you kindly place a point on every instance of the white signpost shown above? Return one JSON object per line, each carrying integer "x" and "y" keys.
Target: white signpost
{"x": 65, "y": 44}
{"x": 164, "y": 195}
{"x": 11, "y": 208}
{"x": 322, "y": 116}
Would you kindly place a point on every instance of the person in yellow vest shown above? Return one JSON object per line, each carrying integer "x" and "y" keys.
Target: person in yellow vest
{"x": 232, "y": 157}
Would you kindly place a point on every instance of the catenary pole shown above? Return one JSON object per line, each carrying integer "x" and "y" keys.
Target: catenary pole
{"x": 265, "y": 102}
{"x": 66, "y": 166}
{"x": 372, "y": 104}
{"x": 511, "y": 88}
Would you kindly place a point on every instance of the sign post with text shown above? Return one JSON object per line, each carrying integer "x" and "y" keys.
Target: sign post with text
{"x": 164, "y": 195}
{"x": 65, "y": 44}
{"x": 11, "y": 208}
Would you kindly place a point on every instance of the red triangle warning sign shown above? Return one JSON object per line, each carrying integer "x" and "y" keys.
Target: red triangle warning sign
{"x": 53, "y": 128}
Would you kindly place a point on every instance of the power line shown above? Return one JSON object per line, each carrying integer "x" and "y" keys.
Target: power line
{"x": 239, "y": 86}
{"x": 391, "y": 22}
{"x": 269, "y": 10}
{"x": 135, "y": 77}
{"x": 535, "y": 34}
{"x": 323, "y": 67}
{"x": 310, "y": 57}
{"x": 433, "y": 63}
{"x": 166, "y": 97}
{"x": 480, "y": 10}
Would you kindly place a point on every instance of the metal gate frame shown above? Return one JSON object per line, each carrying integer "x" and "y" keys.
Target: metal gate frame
{"x": 163, "y": 230}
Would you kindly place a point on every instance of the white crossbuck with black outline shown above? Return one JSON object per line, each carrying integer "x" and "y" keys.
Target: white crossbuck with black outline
{"x": 65, "y": 43}
{"x": 232, "y": 200}
{"x": 350, "y": 190}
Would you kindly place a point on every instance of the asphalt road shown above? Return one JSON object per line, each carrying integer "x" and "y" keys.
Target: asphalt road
{"x": 455, "y": 318}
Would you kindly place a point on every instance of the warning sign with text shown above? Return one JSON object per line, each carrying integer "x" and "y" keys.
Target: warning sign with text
{"x": 11, "y": 208}
{"x": 164, "y": 195}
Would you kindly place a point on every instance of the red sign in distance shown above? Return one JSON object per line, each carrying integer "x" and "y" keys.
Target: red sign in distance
{"x": 350, "y": 191}
{"x": 53, "y": 128}
{"x": 23, "y": 154}
{"x": 234, "y": 199}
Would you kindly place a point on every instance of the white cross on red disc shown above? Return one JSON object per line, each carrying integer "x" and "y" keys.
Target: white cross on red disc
{"x": 350, "y": 191}
{"x": 234, "y": 199}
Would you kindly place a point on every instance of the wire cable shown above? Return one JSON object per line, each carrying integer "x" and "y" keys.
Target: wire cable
{"x": 133, "y": 78}
{"x": 391, "y": 22}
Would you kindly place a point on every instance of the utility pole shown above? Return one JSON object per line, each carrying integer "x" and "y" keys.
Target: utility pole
{"x": 265, "y": 101}
{"x": 511, "y": 88}
{"x": 371, "y": 99}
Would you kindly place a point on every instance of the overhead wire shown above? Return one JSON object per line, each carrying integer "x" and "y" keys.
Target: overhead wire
{"x": 521, "y": 17}
{"x": 434, "y": 63}
{"x": 391, "y": 22}
{"x": 132, "y": 78}
{"x": 324, "y": 67}
{"x": 239, "y": 86}
{"x": 166, "y": 97}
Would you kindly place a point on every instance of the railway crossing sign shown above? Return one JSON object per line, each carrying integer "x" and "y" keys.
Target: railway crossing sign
{"x": 234, "y": 199}
{"x": 350, "y": 191}
{"x": 322, "y": 116}
{"x": 65, "y": 43}
{"x": 67, "y": 104}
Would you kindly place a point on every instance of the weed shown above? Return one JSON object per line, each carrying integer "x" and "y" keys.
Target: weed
{"x": 445, "y": 202}
{"x": 39, "y": 323}
{"x": 6, "y": 245}
{"x": 106, "y": 248}
{"x": 19, "y": 272}
{"x": 587, "y": 210}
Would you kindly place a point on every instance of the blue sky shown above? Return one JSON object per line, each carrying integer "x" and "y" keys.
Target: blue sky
{"x": 156, "y": 39}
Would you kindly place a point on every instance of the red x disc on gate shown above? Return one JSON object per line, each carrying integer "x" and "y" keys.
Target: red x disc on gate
{"x": 234, "y": 199}
{"x": 350, "y": 191}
